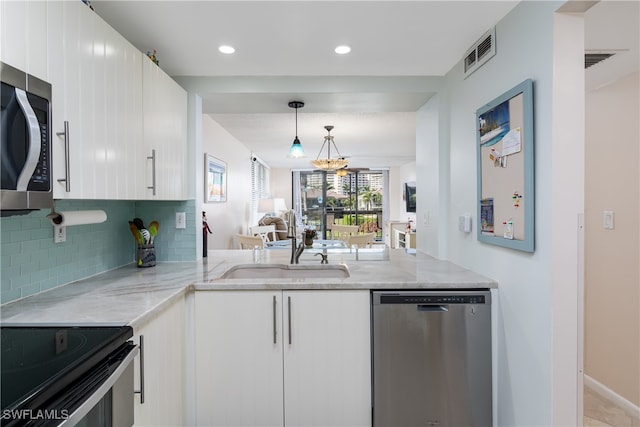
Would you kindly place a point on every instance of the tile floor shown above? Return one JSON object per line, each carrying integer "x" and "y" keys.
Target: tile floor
{"x": 599, "y": 412}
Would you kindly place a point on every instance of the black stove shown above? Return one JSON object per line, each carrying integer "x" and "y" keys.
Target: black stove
{"x": 43, "y": 365}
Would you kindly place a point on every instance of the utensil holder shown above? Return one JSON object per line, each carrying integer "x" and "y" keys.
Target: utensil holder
{"x": 146, "y": 256}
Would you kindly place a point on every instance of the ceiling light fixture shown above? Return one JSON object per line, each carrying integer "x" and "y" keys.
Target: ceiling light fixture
{"x": 329, "y": 164}
{"x": 296, "y": 150}
{"x": 342, "y": 50}
{"x": 226, "y": 49}
{"x": 342, "y": 172}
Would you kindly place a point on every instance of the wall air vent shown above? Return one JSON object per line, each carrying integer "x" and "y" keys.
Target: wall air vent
{"x": 480, "y": 52}
{"x": 593, "y": 58}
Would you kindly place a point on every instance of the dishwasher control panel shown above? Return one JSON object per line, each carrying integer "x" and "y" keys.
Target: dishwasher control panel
{"x": 431, "y": 299}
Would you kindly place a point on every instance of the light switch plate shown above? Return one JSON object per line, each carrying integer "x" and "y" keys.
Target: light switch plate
{"x": 608, "y": 220}
{"x": 181, "y": 220}
{"x": 464, "y": 223}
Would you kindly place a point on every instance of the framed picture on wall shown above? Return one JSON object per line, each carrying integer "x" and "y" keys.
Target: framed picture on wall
{"x": 215, "y": 185}
{"x": 504, "y": 144}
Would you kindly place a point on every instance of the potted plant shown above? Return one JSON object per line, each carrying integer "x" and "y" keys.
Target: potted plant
{"x": 309, "y": 235}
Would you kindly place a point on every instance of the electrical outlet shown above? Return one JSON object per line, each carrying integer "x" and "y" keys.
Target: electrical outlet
{"x": 59, "y": 234}
{"x": 181, "y": 220}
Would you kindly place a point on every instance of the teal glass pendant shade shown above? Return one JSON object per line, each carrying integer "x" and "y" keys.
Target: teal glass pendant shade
{"x": 296, "y": 151}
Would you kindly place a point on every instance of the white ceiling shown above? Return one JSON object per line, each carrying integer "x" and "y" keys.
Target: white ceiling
{"x": 284, "y": 52}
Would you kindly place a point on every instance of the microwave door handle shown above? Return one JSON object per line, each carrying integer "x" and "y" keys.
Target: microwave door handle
{"x": 35, "y": 141}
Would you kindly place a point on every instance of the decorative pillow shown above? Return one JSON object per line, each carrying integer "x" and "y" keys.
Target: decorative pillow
{"x": 278, "y": 222}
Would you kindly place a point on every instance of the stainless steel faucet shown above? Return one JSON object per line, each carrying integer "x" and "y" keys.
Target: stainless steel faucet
{"x": 296, "y": 251}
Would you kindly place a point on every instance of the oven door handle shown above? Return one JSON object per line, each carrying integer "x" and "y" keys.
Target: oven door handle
{"x": 92, "y": 400}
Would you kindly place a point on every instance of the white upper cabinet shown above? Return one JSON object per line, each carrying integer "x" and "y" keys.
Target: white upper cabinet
{"x": 165, "y": 136}
{"x": 96, "y": 80}
{"x": 70, "y": 64}
{"x": 23, "y": 35}
{"x": 111, "y": 107}
{"x": 123, "y": 114}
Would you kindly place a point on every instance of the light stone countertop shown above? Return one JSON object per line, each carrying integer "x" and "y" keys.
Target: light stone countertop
{"x": 133, "y": 296}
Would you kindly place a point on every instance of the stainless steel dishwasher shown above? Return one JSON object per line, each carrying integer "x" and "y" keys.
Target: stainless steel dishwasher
{"x": 431, "y": 358}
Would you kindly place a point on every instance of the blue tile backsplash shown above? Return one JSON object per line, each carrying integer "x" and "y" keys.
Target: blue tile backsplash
{"x": 31, "y": 262}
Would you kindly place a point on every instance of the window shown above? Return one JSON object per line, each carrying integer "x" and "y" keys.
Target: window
{"x": 259, "y": 185}
{"x": 358, "y": 198}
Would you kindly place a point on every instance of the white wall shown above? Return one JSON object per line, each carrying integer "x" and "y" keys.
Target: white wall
{"x": 612, "y": 273}
{"x": 432, "y": 150}
{"x": 397, "y": 177}
{"x": 527, "y": 392}
{"x": 232, "y": 217}
{"x": 280, "y": 184}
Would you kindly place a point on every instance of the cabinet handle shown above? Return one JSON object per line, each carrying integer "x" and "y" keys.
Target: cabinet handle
{"x": 67, "y": 168}
{"x": 275, "y": 332}
{"x": 153, "y": 171}
{"x": 141, "y": 391}
{"x": 289, "y": 320}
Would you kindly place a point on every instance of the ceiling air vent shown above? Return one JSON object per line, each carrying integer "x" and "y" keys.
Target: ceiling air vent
{"x": 593, "y": 58}
{"x": 480, "y": 52}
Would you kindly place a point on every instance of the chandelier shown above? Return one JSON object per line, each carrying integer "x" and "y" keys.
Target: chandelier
{"x": 329, "y": 163}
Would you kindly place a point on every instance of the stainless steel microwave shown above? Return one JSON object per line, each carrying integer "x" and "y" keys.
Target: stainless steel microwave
{"x": 25, "y": 142}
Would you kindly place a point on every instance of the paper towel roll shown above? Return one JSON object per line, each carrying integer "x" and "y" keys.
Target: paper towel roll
{"x": 77, "y": 217}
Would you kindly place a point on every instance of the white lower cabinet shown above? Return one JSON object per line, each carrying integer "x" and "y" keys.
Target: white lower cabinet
{"x": 275, "y": 358}
{"x": 164, "y": 369}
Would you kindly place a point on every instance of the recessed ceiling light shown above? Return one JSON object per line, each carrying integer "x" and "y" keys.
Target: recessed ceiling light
{"x": 341, "y": 50}
{"x": 226, "y": 49}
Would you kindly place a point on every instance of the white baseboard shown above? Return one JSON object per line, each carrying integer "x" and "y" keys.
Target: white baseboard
{"x": 612, "y": 396}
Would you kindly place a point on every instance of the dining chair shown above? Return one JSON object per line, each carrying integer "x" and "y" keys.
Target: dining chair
{"x": 264, "y": 231}
{"x": 343, "y": 231}
{"x": 249, "y": 242}
{"x": 361, "y": 240}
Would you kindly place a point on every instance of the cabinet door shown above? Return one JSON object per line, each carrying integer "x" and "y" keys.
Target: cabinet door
{"x": 165, "y": 135}
{"x": 239, "y": 358}
{"x": 164, "y": 370}
{"x": 327, "y": 374}
{"x": 122, "y": 120}
{"x": 71, "y": 72}
{"x": 23, "y": 36}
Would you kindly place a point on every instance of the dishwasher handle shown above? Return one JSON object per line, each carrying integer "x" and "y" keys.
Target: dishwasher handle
{"x": 438, "y": 308}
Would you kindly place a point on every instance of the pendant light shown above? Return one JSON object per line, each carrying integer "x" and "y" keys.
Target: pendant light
{"x": 329, "y": 163}
{"x": 296, "y": 150}
{"x": 342, "y": 172}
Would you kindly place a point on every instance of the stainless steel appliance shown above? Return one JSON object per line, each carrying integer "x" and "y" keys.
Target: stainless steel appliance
{"x": 67, "y": 376}
{"x": 25, "y": 138}
{"x": 432, "y": 358}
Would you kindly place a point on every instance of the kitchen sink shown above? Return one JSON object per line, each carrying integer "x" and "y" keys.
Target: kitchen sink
{"x": 287, "y": 271}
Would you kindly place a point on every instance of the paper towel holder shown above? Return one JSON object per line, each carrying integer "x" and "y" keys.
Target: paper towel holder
{"x": 55, "y": 217}
{"x": 78, "y": 217}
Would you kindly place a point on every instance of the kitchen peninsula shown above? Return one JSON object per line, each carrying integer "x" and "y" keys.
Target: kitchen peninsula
{"x": 130, "y": 295}
{"x": 194, "y": 322}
